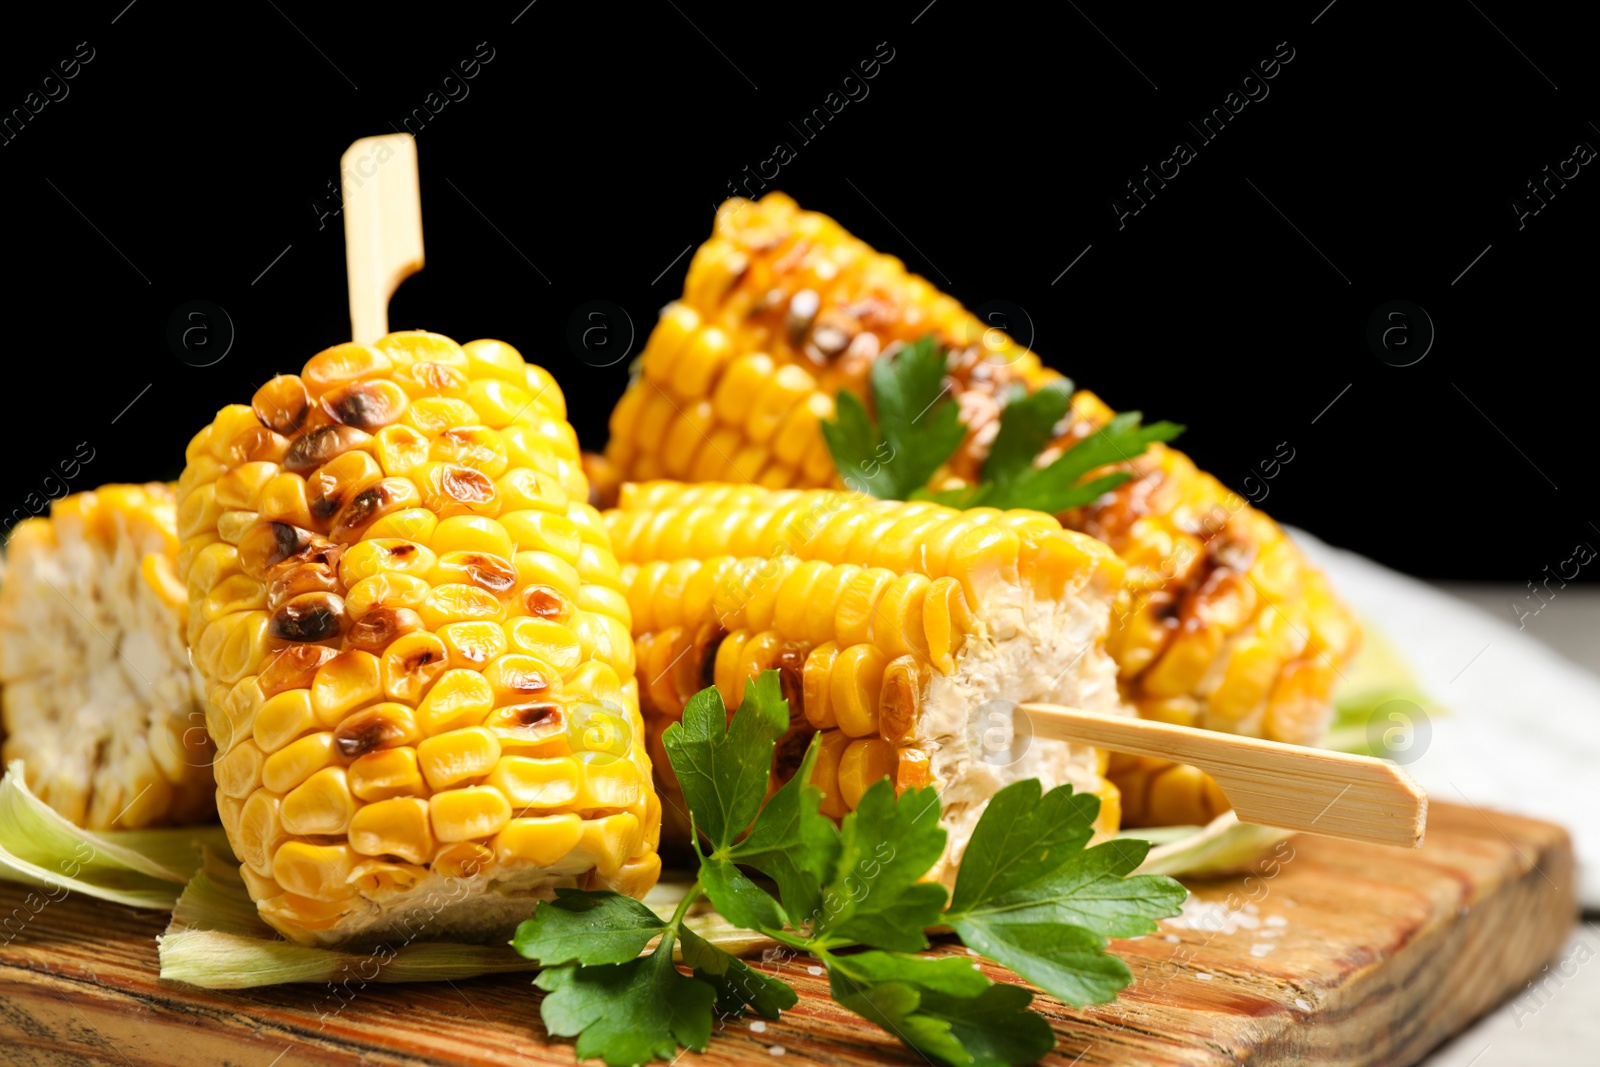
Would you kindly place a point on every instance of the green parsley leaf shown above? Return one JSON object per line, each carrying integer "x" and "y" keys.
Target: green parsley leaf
{"x": 737, "y": 983}
{"x": 1055, "y": 488}
{"x": 1022, "y": 838}
{"x": 874, "y": 896}
{"x": 723, "y": 765}
{"x": 588, "y": 927}
{"x": 918, "y": 426}
{"x": 792, "y": 843}
{"x": 1027, "y": 425}
{"x": 1031, "y": 897}
{"x": 626, "y": 1013}
{"x": 944, "y": 1008}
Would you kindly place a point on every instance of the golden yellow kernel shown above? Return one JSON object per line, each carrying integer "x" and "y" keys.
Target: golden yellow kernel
{"x": 459, "y": 698}
{"x": 469, "y": 814}
{"x": 396, "y": 827}
{"x": 457, "y": 756}
{"x": 540, "y": 840}
{"x": 321, "y": 805}
{"x": 387, "y": 773}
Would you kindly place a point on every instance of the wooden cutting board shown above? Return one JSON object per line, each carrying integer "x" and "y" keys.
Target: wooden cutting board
{"x": 1330, "y": 953}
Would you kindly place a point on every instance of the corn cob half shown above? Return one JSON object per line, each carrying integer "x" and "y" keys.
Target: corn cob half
{"x": 417, "y": 646}
{"x": 900, "y": 632}
{"x": 99, "y": 699}
{"x": 1222, "y": 622}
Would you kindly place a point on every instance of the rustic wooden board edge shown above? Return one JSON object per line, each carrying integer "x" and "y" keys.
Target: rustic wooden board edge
{"x": 67, "y": 999}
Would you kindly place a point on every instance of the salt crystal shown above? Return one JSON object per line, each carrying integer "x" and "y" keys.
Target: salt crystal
{"x": 1214, "y": 917}
{"x": 1261, "y": 948}
{"x": 758, "y": 1027}
{"x": 776, "y": 1050}
{"x": 1204, "y": 977}
{"x": 813, "y": 969}
{"x": 1277, "y": 920}
{"x": 1302, "y": 1005}
{"x": 1272, "y": 933}
{"x": 1252, "y": 908}
{"x": 1174, "y": 938}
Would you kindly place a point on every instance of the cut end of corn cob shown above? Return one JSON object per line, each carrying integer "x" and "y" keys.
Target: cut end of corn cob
{"x": 903, "y": 634}
{"x": 1222, "y": 624}
{"x": 416, "y": 644}
{"x": 98, "y": 695}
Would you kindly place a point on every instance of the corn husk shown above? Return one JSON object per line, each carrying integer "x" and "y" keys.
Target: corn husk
{"x": 217, "y": 941}
{"x": 139, "y": 868}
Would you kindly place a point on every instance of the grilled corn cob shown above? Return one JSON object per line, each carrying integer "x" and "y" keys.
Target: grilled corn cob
{"x": 99, "y": 699}
{"x": 898, "y": 630}
{"x": 1222, "y": 622}
{"x": 416, "y": 644}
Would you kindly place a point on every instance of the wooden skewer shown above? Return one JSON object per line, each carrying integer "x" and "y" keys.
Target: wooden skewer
{"x": 382, "y": 227}
{"x": 1269, "y": 783}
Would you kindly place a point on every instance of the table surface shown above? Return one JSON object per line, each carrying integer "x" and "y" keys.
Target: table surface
{"x": 1557, "y": 1025}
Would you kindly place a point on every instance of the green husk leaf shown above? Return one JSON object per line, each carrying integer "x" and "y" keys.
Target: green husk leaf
{"x": 217, "y": 941}
{"x": 139, "y": 868}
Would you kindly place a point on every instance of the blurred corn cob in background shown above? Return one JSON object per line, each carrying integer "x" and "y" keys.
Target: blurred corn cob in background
{"x": 417, "y": 646}
{"x": 99, "y": 699}
{"x": 898, "y": 630}
{"x": 1222, "y": 622}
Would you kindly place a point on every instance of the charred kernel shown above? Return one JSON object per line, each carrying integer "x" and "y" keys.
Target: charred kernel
{"x": 518, "y": 677}
{"x": 291, "y": 579}
{"x": 332, "y": 486}
{"x": 309, "y": 617}
{"x": 312, "y": 450}
{"x": 375, "y": 630}
{"x": 465, "y": 485}
{"x": 545, "y": 602}
{"x": 292, "y": 668}
{"x": 411, "y": 665}
{"x": 258, "y": 445}
{"x": 369, "y": 505}
{"x": 368, "y": 406}
{"x": 528, "y": 724}
{"x": 493, "y": 573}
{"x": 269, "y": 544}
{"x": 380, "y": 726}
{"x": 282, "y": 404}
{"x": 791, "y": 665}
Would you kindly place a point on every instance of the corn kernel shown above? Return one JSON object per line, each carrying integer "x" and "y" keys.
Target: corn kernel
{"x": 459, "y": 698}
{"x": 293, "y": 764}
{"x": 344, "y": 683}
{"x": 386, "y": 774}
{"x": 397, "y": 827}
{"x": 457, "y": 756}
{"x": 316, "y": 871}
{"x": 537, "y": 784}
{"x": 321, "y": 805}
{"x": 540, "y": 840}
{"x": 468, "y": 814}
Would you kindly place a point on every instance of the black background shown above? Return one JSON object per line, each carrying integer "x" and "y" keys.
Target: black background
{"x": 192, "y": 153}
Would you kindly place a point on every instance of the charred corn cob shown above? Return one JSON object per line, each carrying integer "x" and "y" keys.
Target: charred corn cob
{"x": 416, "y": 644}
{"x": 1222, "y": 622}
{"x": 99, "y": 699}
{"x": 899, "y": 632}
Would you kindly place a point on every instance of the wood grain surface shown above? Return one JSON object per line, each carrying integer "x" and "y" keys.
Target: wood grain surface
{"x": 1330, "y": 953}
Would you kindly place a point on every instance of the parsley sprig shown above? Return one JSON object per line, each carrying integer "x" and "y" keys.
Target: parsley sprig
{"x": 1029, "y": 895}
{"x": 918, "y": 428}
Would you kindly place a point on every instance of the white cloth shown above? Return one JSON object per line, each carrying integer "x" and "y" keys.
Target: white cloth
{"x": 1520, "y": 725}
